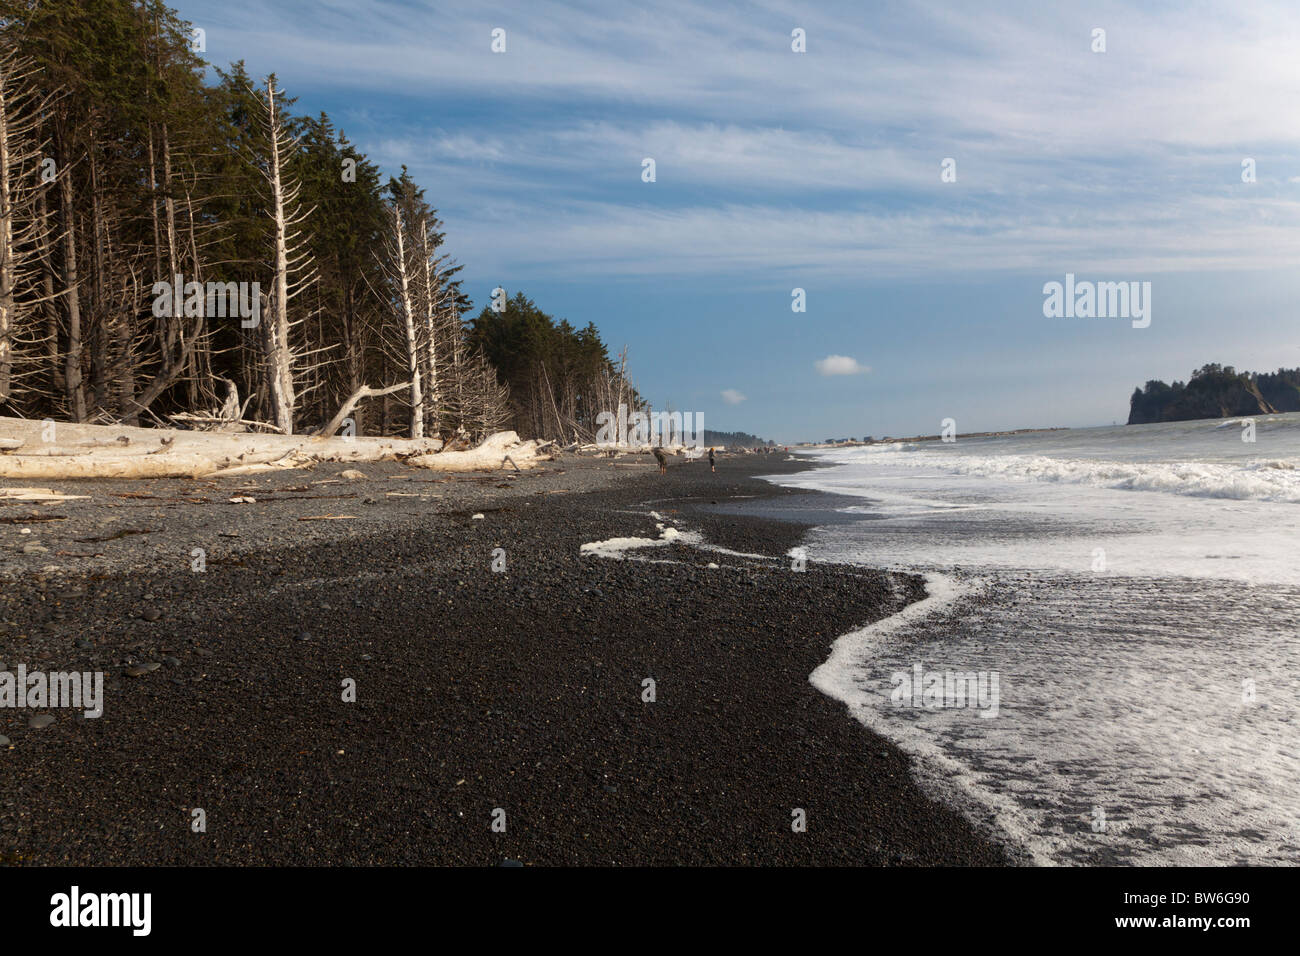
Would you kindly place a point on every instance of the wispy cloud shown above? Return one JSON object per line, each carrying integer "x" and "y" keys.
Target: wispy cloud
{"x": 826, "y": 161}
{"x": 732, "y": 397}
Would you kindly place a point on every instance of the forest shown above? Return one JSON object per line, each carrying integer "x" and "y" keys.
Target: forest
{"x": 178, "y": 247}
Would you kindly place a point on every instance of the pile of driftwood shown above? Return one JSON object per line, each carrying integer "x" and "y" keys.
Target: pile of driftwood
{"x": 494, "y": 454}
{"x": 605, "y": 450}
{"x": 34, "y": 449}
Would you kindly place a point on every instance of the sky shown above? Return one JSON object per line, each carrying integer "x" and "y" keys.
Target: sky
{"x": 824, "y": 170}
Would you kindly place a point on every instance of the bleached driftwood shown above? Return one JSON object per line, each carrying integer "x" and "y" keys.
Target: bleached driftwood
{"x": 101, "y": 451}
{"x": 35, "y": 494}
{"x": 216, "y": 422}
{"x": 491, "y": 455}
{"x": 94, "y": 451}
{"x": 252, "y": 467}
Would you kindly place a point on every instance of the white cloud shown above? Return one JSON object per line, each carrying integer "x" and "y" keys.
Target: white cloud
{"x": 732, "y": 397}
{"x": 840, "y": 365}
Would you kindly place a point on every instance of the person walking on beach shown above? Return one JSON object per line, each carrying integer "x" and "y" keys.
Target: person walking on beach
{"x": 662, "y": 459}
{"x": 711, "y": 466}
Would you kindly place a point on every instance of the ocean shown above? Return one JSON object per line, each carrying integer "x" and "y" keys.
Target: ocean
{"x": 1131, "y": 598}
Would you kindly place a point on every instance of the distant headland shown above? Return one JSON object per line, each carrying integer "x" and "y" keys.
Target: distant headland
{"x": 1216, "y": 391}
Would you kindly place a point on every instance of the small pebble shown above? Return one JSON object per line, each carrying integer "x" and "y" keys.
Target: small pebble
{"x": 40, "y": 720}
{"x": 139, "y": 670}
{"x": 151, "y": 614}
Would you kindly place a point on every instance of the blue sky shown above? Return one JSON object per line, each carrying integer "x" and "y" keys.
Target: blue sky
{"x": 821, "y": 170}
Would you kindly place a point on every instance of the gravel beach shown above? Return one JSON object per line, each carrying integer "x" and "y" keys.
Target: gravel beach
{"x": 477, "y": 691}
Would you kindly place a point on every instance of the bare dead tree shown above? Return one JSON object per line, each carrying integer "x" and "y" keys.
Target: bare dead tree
{"x": 398, "y": 268}
{"x": 334, "y": 424}
{"x": 430, "y": 292}
{"x": 24, "y": 233}
{"x": 291, "y": 262}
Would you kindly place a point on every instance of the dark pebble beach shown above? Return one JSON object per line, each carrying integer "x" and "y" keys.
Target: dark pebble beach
{"x": 481, "y": 695}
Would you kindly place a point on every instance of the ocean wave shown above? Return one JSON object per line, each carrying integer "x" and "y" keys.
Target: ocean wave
{"x": 1276, "y": 479}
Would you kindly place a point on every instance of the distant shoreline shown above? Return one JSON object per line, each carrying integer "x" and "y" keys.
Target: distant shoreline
{"x": 915, "y": 438}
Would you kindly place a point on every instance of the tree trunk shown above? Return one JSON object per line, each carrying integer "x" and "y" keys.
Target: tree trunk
{"x": 99, "y": 288}
{"x": 354, "y": 354}
{"x": 279, "y": 356}
{"x": 412, "y": 348}
{"x": 7, "y": 251}
{"x": 364, "y": 391}
{"x": 430, "y": 329}
{"x": 49, "y": 304}
{"x": 76, "y": 392}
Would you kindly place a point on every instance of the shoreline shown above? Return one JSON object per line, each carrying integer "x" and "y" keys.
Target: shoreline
{"x": 476, "y": 690}
{"x": 823, "y": 446}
